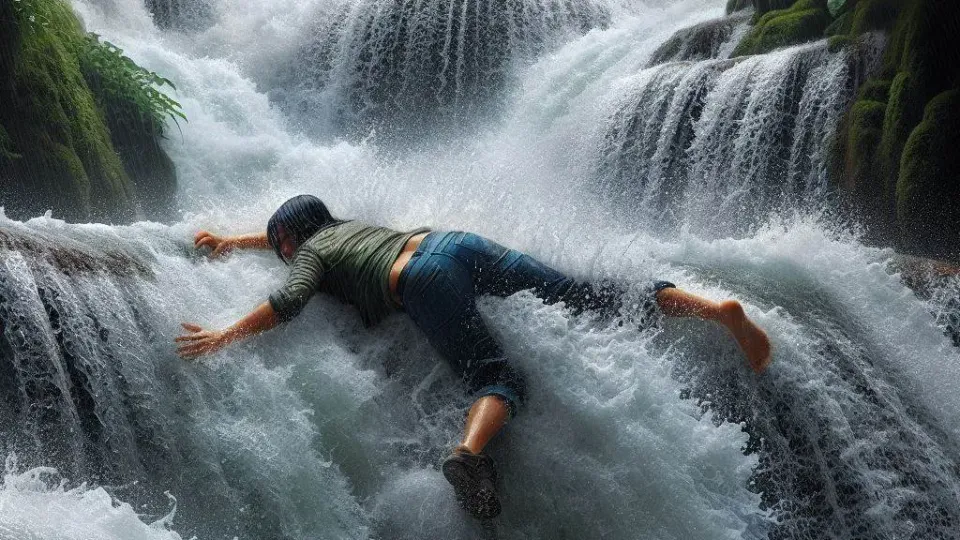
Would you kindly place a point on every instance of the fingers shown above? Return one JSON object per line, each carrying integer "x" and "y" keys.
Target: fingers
{"x": 201, "y": 237}
{"x": 191, "y": 327}
{"x": 197, "y": 348}
{"x": 197, "y": 342}
{"x": 206, "y": 241}
{"x": 192, "y": 337}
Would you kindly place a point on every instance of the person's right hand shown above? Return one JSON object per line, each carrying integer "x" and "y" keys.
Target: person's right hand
{"x": 219, "y": 244}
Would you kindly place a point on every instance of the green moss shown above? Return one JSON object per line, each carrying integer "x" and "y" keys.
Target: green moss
{"x": 838, "y": 43}
{"x": 876, "y": 90}
{"x": 864, "y": 132}
{"x": 766, "y": 6}
{"x": 908, "y": 175}
{"x": 929, "y": 181}
{"x": 875, "y": 15}
{"x": 904, "y": 112}
{"x": 841, "y": 26}
{"x": 806, "y": 20}
{"x": 67, "y": 155}
{"x": 59, "y": 114}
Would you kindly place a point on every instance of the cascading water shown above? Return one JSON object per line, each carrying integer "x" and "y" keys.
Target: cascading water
{"x": 402, "y": 66}
{"x": 716, "y": 144}
{"x": 606, "y": 157}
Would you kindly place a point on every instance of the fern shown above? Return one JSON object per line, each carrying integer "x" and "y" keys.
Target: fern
{"x": 120, "y": 84}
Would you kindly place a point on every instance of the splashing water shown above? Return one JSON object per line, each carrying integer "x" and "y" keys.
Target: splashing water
{"x": 597, "y": 160}
{"x": 37, "y": 508}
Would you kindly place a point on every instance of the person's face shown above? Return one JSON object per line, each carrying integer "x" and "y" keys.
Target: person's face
{"x": 287, "y": 246}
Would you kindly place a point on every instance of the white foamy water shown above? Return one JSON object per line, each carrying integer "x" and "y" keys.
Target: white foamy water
{"x": 324, "y": 429}
{"x": 34, "y": 505}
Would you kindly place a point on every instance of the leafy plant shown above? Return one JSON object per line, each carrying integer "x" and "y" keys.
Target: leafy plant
{"x": 120, "y": 84}
{"x": 31, "y": 13}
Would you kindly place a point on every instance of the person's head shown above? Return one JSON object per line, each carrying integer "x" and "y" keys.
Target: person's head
{"x": 296, "y": 221}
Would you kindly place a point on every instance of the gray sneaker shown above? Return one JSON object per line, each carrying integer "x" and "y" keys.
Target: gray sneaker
{"x": 473, "y": 478}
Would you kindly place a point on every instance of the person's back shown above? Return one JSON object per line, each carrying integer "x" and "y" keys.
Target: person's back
{"x": 350, "y": 260}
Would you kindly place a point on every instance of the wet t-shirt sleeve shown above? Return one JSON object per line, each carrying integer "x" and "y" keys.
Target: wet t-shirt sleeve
{"x": 306, "y": 271}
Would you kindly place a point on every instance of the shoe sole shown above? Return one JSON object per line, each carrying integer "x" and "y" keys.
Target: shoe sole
{"x": 481, "y": 501}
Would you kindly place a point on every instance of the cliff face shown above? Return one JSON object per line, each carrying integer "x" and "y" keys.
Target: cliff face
{"x": 895, "y": 157}
{"x": 899, "y": 142}
{"x": 72, "y": 139}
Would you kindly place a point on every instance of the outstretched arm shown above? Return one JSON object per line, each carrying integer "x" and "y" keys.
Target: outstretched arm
{"x": 198, "y": 342}
{"x": 224, "y": 244}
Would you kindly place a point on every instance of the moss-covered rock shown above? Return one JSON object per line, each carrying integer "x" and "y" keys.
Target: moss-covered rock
{"x": 904, "y": 111}
{"x": 841, "y": 26}
{"x": 66, "y": 159}
{"x": 865, "y": 132}
{"x": 59, "y": 151}
{"x": 922, "y": 60}
{"x": 766, "y": 6}
{"x": 806, "y": 20}
{"x": 875, "y": 15}
{"x": 928, "y": 188}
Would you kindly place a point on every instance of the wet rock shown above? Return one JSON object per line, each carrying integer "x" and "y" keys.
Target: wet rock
{"x": 804, "y": 21}
{"x": 700, "y": 42}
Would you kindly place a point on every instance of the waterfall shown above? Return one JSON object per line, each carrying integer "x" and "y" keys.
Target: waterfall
{"x": 404, "y": 66}
{"x": 720, "y": 144}
{"x": 589, "y": 134}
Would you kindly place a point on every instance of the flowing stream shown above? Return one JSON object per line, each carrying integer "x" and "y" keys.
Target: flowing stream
{"x": 576, "y": 130}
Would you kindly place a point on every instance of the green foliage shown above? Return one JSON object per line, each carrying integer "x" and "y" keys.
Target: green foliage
{"x": 32, "y": 14}
{"x": 123, "y": 86}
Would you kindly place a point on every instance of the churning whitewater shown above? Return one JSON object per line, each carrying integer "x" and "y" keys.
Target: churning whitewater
{"x": 577, "y": 131}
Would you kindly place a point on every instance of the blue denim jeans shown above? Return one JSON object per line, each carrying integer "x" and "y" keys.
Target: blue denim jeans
{"x": 439, "y": 288}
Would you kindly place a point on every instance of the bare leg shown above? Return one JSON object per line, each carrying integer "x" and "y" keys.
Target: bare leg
{"x": 487, "y": 415}
{"x": 752, "y": 340}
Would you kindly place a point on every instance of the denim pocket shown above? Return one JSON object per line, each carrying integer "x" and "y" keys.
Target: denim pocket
{"x": 437, "y": 301}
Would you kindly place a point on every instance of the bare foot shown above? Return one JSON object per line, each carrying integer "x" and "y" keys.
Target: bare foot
{"x": 753, "y": 341}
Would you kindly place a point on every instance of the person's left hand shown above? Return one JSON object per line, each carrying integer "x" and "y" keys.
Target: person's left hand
{"x": 198, "y": 342}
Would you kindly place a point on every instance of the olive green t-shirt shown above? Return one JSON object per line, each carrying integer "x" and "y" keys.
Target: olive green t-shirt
{"x": 351, "y": 261}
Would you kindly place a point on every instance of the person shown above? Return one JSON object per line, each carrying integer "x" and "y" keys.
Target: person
{"x": 436, "y": 278}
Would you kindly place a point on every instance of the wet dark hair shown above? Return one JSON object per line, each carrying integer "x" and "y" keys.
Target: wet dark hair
{"x": 302, "y": 217}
